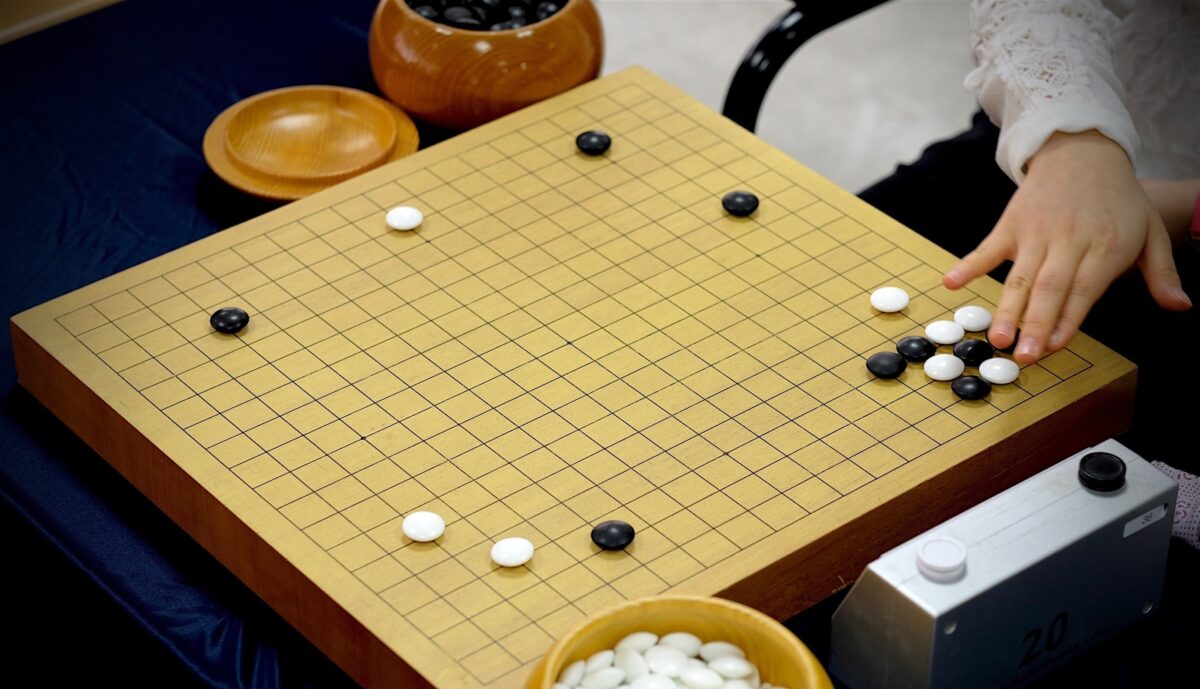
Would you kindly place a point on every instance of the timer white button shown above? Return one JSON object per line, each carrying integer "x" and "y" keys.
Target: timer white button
{"x": 942, "y": 559}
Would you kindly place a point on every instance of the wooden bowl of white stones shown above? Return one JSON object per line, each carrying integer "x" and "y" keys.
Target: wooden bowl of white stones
{"x": 679, "y": 642}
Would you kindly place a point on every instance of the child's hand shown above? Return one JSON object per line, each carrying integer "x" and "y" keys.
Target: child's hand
{"x": 1078, "y": 221}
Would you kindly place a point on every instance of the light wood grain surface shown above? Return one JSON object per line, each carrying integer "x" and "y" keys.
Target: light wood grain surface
{"x": 288, "y": 143}
{"x": 565, "y": 340}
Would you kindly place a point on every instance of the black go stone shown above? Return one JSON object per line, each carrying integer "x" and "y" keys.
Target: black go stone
{"x": 974, "y": 352}
{"x": 916, "y": 348}
{"x": 460, "y": 16}
{"x": 612, "y": 535}
{"x": 496, "y": 15}
{"x": 971, "y": 387}
{"x": 593, "y": 143}
{"x": 740, "y": 203}
{"x": 229, "y": 320}
{"x": 886, "y": 364}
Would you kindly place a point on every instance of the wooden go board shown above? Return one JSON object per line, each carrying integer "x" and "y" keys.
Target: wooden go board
{"x": 565, "y": 340}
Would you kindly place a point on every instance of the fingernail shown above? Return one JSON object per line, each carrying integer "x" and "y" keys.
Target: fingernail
{"x": 1181, "y": 295}
{"x": 1056, "y": 337}
{"x": 1028, "y": 347}
{"x": 952, "y": 276}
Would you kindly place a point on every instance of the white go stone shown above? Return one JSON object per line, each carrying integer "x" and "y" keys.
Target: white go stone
{"x": 999, "y": 371}
{"x": 701, "y": 678}
{"x": 653, "y": 682}
{"x": 688, "y": 643}
{"x": 889, "y": 299}
{"x": 423, "y": 526}
{"x": 637, "y": 641}
{"x": 573, "y": 673}
{"x": 944, "y": 332}
{"x": 600, "y": 660}
{"x": 632, "y": 663}
{"x": 696, "y": 662}
{"x": 738, "y": 684}
{"x": 944, "y": 367}
{"x": 560, "y": 685}
{"x": 666, "y": 660}
{"x": 973, "y": 319}
{"x": 404, "y": 218}
{"x": 732, "y": 667}
{"x": 606, "y": 678}
{"x": 513, "y": 552}
{"x": 719, "y": 649}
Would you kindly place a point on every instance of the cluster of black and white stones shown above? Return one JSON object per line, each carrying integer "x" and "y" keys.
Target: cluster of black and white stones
{"x": 966, "y": 353}
{"x": 486, "y": 15}
{"x": 679, "y": 660}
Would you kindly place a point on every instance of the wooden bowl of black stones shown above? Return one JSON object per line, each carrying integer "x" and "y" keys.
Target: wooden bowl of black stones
{"x": 460, "y": 63}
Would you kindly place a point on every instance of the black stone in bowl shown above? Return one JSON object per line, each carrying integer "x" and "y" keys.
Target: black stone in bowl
{"x": 486, "y": 15}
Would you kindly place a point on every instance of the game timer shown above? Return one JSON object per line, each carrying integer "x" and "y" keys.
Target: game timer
{"x": 1016, "y": 586}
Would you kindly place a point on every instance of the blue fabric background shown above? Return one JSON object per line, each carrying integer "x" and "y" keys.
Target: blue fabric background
{"x": 102, "y": 169}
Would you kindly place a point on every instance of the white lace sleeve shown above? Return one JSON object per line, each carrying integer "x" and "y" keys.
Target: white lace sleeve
{"x": 1045, "y": 66}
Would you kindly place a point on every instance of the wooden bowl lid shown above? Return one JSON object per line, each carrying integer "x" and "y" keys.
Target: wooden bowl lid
{"x": 291, "y": 142}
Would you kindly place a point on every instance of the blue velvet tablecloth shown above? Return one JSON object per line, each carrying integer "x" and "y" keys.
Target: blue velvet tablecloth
{"x": 101, "y": 168}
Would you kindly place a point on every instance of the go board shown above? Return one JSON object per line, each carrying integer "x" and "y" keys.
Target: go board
{"x": 565, "y": 340}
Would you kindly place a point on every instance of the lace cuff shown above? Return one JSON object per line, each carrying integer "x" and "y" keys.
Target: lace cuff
{"x": 1046, "y": 66}
{"x": 1024, "y": 135}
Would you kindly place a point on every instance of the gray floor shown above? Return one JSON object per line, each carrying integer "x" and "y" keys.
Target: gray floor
{"x": 850, "y": 104}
